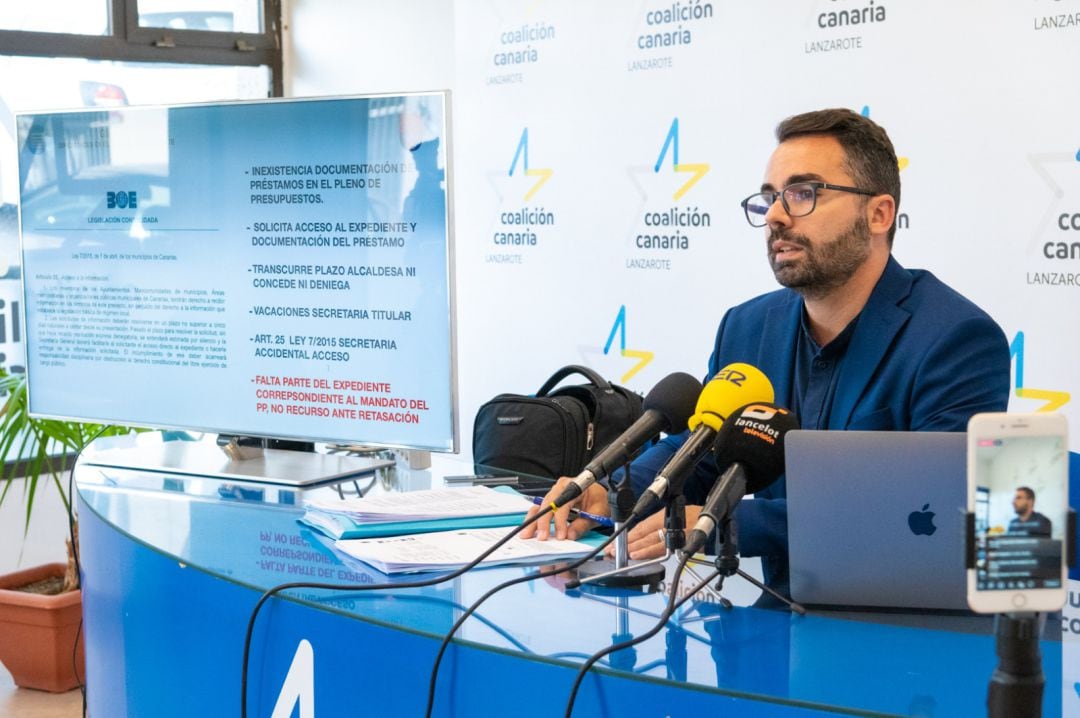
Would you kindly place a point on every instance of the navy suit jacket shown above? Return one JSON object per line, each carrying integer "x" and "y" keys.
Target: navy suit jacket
{"x": 921, "y": 358}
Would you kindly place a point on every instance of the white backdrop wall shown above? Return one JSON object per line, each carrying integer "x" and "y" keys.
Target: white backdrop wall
{"x": 334, "y": 48}
{"x": 561, "y": 119}
{"x": 562, "y": 111}
{"x": 43, "y": 541}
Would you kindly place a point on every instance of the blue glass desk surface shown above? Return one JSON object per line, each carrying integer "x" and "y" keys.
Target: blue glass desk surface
{"x": 867, "y": 663}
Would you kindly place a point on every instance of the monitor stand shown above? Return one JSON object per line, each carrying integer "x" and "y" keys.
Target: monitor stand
{"x": 241, "y": 462}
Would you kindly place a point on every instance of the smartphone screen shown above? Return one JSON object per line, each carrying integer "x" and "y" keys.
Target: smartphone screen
{"x": 1020, "y": 512}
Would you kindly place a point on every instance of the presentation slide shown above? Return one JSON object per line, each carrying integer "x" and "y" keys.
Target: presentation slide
{"x": 275, "y": 268}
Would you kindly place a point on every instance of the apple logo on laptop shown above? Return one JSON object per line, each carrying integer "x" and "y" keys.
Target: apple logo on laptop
{"x": 922, "y": 522}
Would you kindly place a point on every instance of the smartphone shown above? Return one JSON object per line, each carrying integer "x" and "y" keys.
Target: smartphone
{"x": 1018, "y": 491}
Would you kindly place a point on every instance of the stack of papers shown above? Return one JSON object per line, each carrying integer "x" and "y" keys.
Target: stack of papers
{"x": 447, "y": 550}
{"x": 417, "y": 512}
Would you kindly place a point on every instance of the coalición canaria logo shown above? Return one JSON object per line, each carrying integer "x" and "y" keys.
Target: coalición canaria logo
{"x": 518, "y": 225}
{"x": 665, "y": 228}
{"x": 641, "y": 357}
{"x": 670, "y": 25}
{"x": 614, "y": 357}
{"x": 515, "y": 46}
{"x": 854, "y": 16}
{"x": 1068, "y": 246}
{"x": 1054, "y": 398}
{"x": 1057, "y": 236}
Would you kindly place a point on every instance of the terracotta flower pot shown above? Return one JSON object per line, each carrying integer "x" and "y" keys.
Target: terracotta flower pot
{"x": 37, "y": 633}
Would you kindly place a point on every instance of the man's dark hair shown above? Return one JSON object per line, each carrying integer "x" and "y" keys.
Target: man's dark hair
{"x": 869, "y": 154}
{"x": 1027, "y": 492}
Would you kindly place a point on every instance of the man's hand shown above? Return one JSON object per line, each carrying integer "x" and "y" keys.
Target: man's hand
{"x": 646, "y": 539}
{"x": 593, "y": 501}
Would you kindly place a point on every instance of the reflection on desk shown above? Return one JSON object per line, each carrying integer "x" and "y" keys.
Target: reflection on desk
{"x": 201, "y": 547}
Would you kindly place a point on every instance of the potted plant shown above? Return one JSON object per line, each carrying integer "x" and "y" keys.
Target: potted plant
{"x": 40, "y": 607}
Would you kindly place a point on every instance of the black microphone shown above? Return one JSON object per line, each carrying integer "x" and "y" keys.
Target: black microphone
{"x": 751, "y": 444}
{"x": 732, "y": 387}
{"x": 668, "y": 406}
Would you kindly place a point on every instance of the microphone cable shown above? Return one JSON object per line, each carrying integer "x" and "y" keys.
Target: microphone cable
{"x": 490, "y": 623}
{"x": 269, "y": 593}
{"x": 672, "y": 606}
{"x": 544, "y": 573}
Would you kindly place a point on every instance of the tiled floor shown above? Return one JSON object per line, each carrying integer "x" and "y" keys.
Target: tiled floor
{"x": 26, "y": 703}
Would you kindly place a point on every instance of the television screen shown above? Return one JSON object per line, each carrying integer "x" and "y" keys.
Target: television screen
{"x": 275, "y": 268}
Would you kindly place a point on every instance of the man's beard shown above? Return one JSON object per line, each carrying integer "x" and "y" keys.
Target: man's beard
{"x": 823, "y": 267}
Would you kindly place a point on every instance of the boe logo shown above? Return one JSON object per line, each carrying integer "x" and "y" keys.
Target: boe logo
{"x": 121, "y": 200}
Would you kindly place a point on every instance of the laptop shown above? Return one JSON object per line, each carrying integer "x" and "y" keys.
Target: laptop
{"x": 876, "y": 518}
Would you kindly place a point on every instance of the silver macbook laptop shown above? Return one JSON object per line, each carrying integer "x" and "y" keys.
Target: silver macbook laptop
{"x": 876, "y": 518}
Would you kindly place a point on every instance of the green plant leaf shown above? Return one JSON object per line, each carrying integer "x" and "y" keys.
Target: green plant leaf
{"x": 31, "y": 443}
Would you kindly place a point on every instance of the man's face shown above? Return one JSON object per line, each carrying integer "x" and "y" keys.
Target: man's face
{"x": 1021, "y": 503}
{"x": 821, "y": 251}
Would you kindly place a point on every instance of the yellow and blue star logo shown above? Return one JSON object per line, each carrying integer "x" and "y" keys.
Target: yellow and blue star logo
{"x": 697, "y": 170}
{"x": 642, "y": 356}
{"x": 612, "y": 357}
{"x": 543, "y": 174}
{"x": 1054, "y": 399}
{"x": 901, "y": 162}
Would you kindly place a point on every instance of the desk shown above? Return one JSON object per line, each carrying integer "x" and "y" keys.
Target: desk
{"x": 172, "y": 566}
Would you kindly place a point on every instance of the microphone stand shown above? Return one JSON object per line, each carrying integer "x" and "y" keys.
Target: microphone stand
{"x": 626, "y": 659}
{"x": 650, "y": 572}
{"x": 620, "y": 573}
{"x": 675, "y": 656}
{"x": 1016, "y": 688}
{"x": 675, "y": 523}
{"x": 727, "y": 563}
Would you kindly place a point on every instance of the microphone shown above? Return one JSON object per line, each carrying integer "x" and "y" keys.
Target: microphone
{"x": 733, "y": 386}
{"x": 667, "y": 406}
{"x": 752, "y": 443}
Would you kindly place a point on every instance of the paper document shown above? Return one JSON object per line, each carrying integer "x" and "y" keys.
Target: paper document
{"x": 446, "y": 550}
{"x": 342, "y": 526}
{"x": 427, "y": 505}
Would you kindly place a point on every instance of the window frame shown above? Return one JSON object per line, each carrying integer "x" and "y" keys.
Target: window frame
{"x": 127, "y": 41}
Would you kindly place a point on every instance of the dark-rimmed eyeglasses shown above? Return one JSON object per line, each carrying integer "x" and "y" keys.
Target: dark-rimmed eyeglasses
{"x": 799, "y": 199}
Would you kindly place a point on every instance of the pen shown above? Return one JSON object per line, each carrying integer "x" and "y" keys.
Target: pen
{"x": 602, "y": 520}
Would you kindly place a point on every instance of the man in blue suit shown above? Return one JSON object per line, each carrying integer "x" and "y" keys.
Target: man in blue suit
{"x": 852, "y": 341}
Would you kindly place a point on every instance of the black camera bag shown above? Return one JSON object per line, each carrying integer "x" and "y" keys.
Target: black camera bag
{"x": 557, "y": 431}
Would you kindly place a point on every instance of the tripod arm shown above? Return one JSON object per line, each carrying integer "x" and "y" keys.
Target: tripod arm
{"x": 1016, "y": 688}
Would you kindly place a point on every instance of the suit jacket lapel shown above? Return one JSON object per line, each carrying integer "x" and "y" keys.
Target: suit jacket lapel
{"x": 880, "y": 321}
